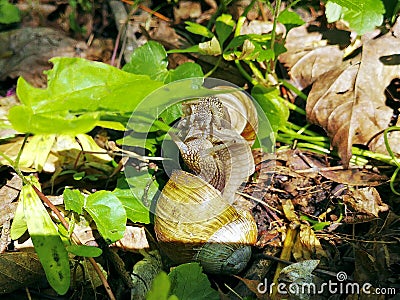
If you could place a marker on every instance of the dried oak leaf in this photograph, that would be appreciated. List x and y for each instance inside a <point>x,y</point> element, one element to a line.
<point>349,101</point>
<point>308,56</point>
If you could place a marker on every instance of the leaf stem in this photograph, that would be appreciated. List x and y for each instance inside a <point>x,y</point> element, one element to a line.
<point>273,33</point>
<point>209,73</point>
<point>295,90</point>
<point>245,74</point>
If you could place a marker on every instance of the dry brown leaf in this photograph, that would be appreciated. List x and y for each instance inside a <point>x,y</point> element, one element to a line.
<point>187,10</point>
<point>355,177</point>
<point>29,49</point>
<point>18,270</point>
<point>134,239</point>
<point>349,102</point>
<point>308,56</point>
<point>256,286</point>
<point>8,193</point>
<point>364,202</point>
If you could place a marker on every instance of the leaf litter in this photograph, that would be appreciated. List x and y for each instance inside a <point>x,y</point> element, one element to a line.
<point>308,191</point>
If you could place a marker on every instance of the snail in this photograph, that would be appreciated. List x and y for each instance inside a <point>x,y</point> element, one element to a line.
<point>195,216</point>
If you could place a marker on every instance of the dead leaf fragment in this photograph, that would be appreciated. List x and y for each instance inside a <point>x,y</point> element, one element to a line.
<point>365,203</point>
<point>349,102</point>
<point>134,239</point>
<point>187,10</point>
<point>18,270</point>
<point>29,50</point>
<point>8,193</point>
<point>308,56</point>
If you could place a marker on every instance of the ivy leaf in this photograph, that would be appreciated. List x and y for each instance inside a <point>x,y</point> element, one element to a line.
<point>108,214</point>
<point>8,13</point>
<point>362,16</point>
<point>198,29</point>
<point>224,26</point>
<point>189,282</point>
<point>333,12</point>
<point>149,59</point>
<point>79,92</point>
<point>18,226</point>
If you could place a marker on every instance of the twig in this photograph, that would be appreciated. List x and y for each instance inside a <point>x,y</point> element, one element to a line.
<point>150,11</point>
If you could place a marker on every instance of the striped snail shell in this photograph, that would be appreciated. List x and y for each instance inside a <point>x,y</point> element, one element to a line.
<point>194,223</point>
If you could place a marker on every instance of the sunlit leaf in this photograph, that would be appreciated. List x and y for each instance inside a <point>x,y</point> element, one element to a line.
<point>108,214</point>
<point>84,251</point>
<point>47,242</point>
<point>189,282</point>
<point>363,16</point>
<point>73,200</point>
<point>198,29</point>
<point>224,26</point>
<point>79,92</point>
<point>149,59</point>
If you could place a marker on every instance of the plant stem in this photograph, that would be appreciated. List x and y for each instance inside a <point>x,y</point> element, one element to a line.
<point>295,90</point>
<point>273,33</point>
<point>209,73</point>
<point>245,74</point>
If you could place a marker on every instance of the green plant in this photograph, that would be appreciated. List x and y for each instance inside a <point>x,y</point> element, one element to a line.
<point>54,239</point>
<point>8,13</point>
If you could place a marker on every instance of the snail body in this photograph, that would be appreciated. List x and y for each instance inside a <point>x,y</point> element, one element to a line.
<point>195,218</point>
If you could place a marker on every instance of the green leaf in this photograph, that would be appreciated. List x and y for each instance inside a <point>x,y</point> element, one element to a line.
<point>333,12</point>
<point>212,47</point>
<point>47,242</point>
<point>149,59</point>
<point>194,49</point>
<point>79,175</point>
<point>273,106</point>
<point>133,196</point>
<point>24,119</point>
<point>8,13</point>
<point>290,19</point>
<point>189,282</point>
<point>78,93</point>
<point>18,226</point>
<point>198,29</point>
<point>160,288</point>
<point>73,200</point>
<point>37,150</point>
<point>185,70</point>
<point>224,26</point>
<point>84,251</point>
<point>362,16</point>
<point>108,214</point>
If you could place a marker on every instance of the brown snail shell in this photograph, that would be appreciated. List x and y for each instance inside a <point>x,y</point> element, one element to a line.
<point>194,223</point>
<point>242,113</point>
